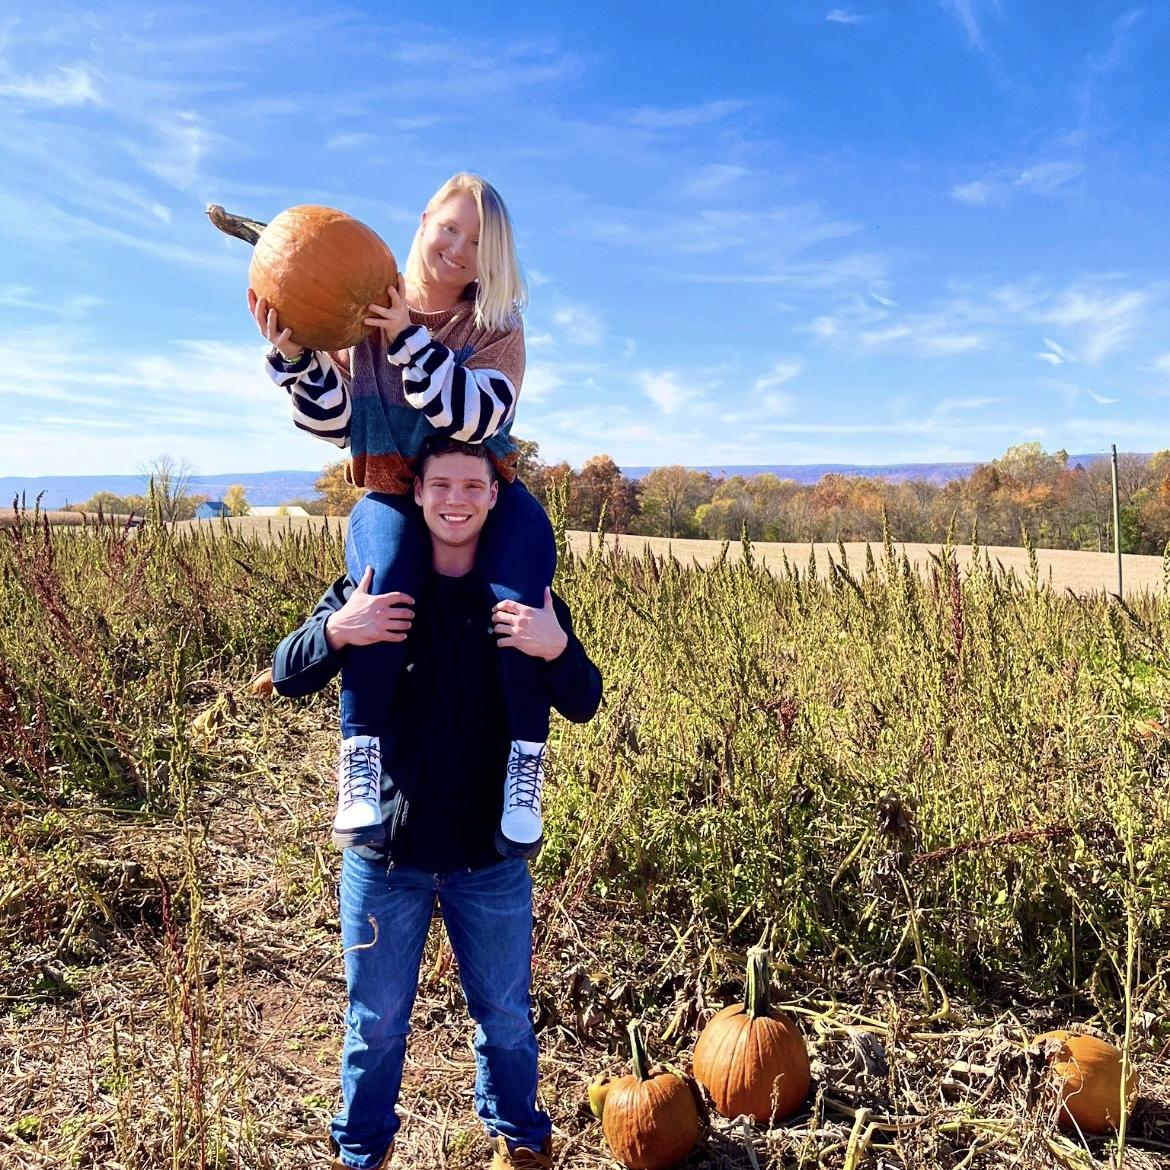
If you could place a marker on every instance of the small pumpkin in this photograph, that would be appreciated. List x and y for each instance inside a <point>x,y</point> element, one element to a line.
<point>751,1058</point>
<point>598,1091</point>
<point>1087,1074</point>
<point>261,683</point>
<point>319,268</point>
<point>653,1118</point>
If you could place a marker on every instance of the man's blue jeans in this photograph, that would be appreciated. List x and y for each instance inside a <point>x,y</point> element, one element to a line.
<point>517,556</point>
<point>488,915</point>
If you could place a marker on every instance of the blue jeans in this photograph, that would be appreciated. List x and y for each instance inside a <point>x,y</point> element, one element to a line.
<point>488,915</point>
<point>517,556</point>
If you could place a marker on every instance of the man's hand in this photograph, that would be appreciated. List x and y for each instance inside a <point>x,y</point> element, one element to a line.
<point>368,617</point>
<point>535,632</point>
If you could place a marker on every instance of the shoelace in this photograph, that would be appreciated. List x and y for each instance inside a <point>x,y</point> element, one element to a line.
<point>524,781</point>
<point>360,780</point>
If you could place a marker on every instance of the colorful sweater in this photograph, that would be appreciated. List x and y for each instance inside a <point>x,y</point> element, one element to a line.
<point>441,376</point>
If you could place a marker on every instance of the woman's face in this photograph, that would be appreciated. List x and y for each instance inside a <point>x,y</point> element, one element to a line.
<point>450,238</point>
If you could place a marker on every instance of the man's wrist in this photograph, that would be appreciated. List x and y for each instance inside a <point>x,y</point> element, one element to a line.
<point>332,639</point>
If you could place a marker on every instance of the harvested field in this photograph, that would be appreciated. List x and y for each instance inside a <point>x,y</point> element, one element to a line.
<point>942,801</point>
<point>1080,572</point>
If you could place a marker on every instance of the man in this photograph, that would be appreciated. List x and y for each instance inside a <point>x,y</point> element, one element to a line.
<point>443,756</point>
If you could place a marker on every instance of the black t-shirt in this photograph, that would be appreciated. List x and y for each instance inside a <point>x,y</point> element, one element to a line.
<point>446,750</point>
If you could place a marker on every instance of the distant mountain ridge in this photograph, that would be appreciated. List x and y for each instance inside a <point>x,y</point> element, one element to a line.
<point>280,487</point>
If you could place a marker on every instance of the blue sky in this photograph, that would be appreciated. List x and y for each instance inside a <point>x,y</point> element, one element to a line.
<point>786,233</point>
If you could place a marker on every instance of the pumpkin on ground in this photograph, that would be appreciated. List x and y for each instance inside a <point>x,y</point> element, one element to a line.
<point>653,1118</point>
<point>598,1091</point>
<point>751,1058</point>
<point>319,268</point>
<point>1087,1072</point>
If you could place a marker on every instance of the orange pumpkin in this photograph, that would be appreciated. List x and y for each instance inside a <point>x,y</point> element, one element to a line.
<point>751,1058</point>
<point>1087,1074</point>
<point>320,269</point>
<point>651,1119</point>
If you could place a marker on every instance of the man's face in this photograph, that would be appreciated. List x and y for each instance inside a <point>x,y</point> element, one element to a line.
<point>456,493</point>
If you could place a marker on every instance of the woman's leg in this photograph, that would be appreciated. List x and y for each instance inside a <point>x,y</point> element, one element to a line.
<point>518,556</point>
<point>385,533</point>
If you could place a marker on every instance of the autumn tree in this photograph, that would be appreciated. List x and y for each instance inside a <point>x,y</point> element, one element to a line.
<point>235,500</point>
<point>339,494</point>
<point>601,492</point>
<point>669,497</point>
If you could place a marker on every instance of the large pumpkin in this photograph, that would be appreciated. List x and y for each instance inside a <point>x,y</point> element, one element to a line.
<point>651,1119</point>
<point>1087,1072</point>
<point>751,1058</point>
<point>319,268</point>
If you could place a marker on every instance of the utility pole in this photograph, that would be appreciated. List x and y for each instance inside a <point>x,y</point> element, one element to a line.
<point>1116,521</point>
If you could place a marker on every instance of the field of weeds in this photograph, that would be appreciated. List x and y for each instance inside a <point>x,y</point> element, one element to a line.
<point>940,798</point>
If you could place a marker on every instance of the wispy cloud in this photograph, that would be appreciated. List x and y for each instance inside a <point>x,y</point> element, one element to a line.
<point>1104,319</point>
<point>1044,178</point>
<point>579,325</point>
<point>669,390</point>
<point>713,179</point>
<point>844,16</point>
<point>969,14</point>
<point>975,194</point>
<point>682,117</point>
<point>67,85</point>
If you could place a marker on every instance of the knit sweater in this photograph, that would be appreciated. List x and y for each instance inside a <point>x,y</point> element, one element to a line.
<point>442,376</point>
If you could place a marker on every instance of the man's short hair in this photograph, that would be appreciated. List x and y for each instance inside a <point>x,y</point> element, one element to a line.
<point>442,445</point>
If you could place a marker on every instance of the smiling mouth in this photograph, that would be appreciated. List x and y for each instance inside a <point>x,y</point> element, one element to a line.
<point>450,263</point>
<point>449,518</point>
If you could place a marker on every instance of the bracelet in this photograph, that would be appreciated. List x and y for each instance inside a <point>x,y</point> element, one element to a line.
<point>288,363</point>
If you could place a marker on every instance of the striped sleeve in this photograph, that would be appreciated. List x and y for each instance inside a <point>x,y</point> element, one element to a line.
<point>318,392</point>
<point>462,402</point>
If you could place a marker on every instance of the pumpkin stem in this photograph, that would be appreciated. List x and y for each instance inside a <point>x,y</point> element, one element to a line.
<point>755,998</point>
<point>638,1051</point>
<point>244,229</point>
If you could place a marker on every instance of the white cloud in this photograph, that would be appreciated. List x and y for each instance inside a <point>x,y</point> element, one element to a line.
<point>1162,363</point>
<point>1044,178</point>
<point>681,117</point>
<point>68,85</point>
<point>1051,358</point>
<point>579,325</point>
<point>668,389</point>
<point>976,194</point>
<point>1104,319</point>
<point>712,179</point>
<point>540,380</point>
<point>781,372</point>
<point>844,16</point>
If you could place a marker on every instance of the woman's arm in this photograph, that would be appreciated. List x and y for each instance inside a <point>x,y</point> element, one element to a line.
<point>318,391</point>
<point>472,401</point>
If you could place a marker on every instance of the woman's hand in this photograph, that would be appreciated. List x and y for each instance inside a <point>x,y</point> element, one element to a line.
<point>269,324</point>
<point>394,319</point>
<point>535,632</point>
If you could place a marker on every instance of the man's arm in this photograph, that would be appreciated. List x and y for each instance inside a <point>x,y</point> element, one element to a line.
<point>572,681</point>
<point>346,615</point>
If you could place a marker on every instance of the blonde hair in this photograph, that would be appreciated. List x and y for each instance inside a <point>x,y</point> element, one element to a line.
<point>502,292</point>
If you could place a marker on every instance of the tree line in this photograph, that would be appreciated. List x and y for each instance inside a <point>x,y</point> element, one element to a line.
<point>1025,491</point>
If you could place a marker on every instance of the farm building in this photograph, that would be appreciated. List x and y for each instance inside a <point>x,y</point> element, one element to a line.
<point>211,510</point>
<point>278,510</point>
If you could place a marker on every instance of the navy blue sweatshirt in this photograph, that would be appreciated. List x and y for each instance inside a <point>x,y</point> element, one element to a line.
<point>446,747</point>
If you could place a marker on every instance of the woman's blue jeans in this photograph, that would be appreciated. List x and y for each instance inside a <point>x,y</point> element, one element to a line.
<point>516,556</point>
<point>488,916</point>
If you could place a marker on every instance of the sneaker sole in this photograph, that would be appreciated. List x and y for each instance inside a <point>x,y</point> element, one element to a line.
<point>518,850</point>
<point>372,836</point>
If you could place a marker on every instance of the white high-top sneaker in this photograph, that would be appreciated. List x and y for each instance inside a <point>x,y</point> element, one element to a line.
<point>359,793</point>
<point>521,831</point>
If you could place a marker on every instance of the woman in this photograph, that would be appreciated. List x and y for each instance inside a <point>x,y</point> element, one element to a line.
<point>446,356</point>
